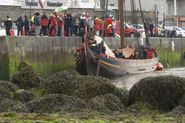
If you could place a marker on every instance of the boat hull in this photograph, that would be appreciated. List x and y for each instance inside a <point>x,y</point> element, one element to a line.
<point>114,67</point>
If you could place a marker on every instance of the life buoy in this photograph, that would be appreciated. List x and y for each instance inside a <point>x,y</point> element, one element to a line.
<point>12,33</point>
<point>159,66</point>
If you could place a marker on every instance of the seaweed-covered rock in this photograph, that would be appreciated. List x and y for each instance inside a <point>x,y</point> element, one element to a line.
<point>179,110</point>
<point>56,103</point>
<point>140,107</point>
<point>106,103</point>
<point>84,87</point>
<point>7,105</point>
<point>163,92</point>
<point>5,93</point>
<point>60,80</point>
<point>24,65</point>
<point>7,89</point>
<point>24,96</point>
<point>27,78</point>
<point>8,86</point>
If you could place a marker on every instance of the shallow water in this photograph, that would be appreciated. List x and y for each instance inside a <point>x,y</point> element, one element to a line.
<point>127,81</point>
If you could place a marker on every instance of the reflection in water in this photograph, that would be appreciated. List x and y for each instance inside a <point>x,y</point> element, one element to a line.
<point>127,81</point>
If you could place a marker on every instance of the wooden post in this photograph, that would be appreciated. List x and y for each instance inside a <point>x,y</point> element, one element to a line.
<point>121,14</point>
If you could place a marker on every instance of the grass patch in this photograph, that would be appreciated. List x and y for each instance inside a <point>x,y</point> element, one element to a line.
<point>123,118</point>
<point>170,58</point>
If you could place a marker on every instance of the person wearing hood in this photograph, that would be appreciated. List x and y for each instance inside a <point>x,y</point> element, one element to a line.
<point>20,25</point>
<point>26,25</point>
<point>8,25</point>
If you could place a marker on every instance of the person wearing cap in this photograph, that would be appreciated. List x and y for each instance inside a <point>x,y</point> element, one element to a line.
<point>8,25</point>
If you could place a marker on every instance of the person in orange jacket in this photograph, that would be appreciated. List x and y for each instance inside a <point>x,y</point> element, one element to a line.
<point>97,25</point>
<point>44,24</point>
<point>108,26</point>
<point>53,24</point>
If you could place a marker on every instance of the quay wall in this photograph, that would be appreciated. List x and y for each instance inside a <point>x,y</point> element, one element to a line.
<point>48,55</point>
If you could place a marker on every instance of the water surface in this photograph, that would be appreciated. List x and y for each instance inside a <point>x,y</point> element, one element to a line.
<point>127,81</point>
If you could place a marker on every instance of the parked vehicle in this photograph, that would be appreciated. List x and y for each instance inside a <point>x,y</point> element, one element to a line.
<point>129,31</point>
<point>182,28</point>
<point>140,28</point>
<point>179,31</point>
<point>168,31</point>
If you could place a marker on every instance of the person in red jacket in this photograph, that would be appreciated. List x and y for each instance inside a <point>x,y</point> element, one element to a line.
<point>108,26</point>
<point>59,25</point>
<point>97,25</point>
<point>44,24</point>
<point>53,24</point>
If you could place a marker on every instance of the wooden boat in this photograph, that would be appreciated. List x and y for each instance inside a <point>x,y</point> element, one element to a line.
<point>106,64</point>
<point>88,61</point>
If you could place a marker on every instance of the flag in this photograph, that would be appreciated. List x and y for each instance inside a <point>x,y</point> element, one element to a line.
<point>61,8</point>
<point>41,2</point>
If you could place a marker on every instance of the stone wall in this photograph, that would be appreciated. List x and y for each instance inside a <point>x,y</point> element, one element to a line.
<point>47,55</point>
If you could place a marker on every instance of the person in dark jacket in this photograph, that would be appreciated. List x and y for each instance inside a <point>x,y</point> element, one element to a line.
<point>68,24</point>
<point>76,21</point>
<point>19,24</point>
<point>37,24</point>
<point>26,25</point>
<point>151,28</point>
<point>146,26</point>
<point>8,25</point>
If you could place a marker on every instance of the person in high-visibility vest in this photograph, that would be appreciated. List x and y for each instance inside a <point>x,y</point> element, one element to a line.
<point>32,19</point>
<point>32,23</point>
<point>108,26</point>
<point>97,25</point>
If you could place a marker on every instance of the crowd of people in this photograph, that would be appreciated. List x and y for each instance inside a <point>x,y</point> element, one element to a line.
<point>59,24</point>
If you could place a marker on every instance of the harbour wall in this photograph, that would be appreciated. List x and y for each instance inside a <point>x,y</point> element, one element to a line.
<point>48,55</point>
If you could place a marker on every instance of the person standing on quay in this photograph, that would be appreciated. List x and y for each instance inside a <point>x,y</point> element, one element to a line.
<point>97,26</point>
<point>37,24</point>
<point>8,25</point>
<point>53,24</point>
<point>20,25</point>
<point>26,25</point>
<point>44,24</point>
<point>59,25</point>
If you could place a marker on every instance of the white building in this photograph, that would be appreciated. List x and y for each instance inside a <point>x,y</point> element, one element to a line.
<point>52,4</point>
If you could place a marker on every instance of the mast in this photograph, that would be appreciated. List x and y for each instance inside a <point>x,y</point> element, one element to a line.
<point>121,14</point>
